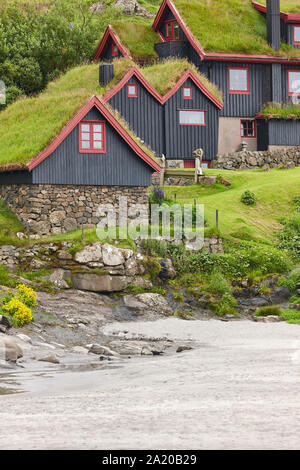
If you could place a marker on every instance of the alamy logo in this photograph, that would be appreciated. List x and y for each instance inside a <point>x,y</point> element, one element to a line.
<point>167,222</point>
<point>2,93</point>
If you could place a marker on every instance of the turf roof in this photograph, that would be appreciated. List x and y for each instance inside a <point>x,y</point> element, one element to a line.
<point>229,26</point>
<point>286,6</point>
<point>30,124</point>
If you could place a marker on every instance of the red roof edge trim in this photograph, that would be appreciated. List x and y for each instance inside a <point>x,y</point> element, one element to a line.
<point>187,32</point>
<point>141,78</point>
<point>162,99</point>
<point>109,32</point>
<point>94,101</point>
<point>190,74</point>
<point>287,17</point>
<point>263,59</point>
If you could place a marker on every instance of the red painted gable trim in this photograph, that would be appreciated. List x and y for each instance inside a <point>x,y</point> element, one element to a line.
<point>185,29</point>
<point>94,101</point>
<point>162,99</point>
<point>287,17</point>
<point>219,56</point>
<point>109,32</point>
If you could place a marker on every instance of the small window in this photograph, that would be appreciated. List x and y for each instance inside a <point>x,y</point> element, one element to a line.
<point>187,92</point>
<point>115,50</point>
<point>172,31</point>
<point>132,90</point>
<point>239,81</point>
<point>297,35</point>
<point>92,137</point>
<point>294,82</point>
<point>191,118</point>
<point>248,128</point>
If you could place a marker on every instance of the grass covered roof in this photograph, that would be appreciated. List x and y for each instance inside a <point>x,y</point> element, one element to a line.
<point>231,26</point>
<point>30,124</point>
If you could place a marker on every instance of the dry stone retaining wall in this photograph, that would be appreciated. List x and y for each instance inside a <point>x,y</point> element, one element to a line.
<point>56,209</point>
<point>287,157</point>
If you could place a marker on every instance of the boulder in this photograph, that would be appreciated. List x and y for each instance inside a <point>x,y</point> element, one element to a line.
<point>90,254</point>
<point>57,277</point>
<point>99,283</point>
<point>280,295</point>
<point>9,349</point>
<point>5,323</point>
<point>132,7</point>
<point>183,348</point>
<point>149,303</point>
<point>50,358</point>
<point>167,270</point>
<point>268,319</point>
<point>135,348</point>
<point>112,256</point>
<point>102,350</point>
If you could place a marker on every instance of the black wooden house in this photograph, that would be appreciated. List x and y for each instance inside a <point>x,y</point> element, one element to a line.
<point>247,81</point>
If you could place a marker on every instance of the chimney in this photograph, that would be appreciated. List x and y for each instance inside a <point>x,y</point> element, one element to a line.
<point>106,73</point>
<point>273,23</point>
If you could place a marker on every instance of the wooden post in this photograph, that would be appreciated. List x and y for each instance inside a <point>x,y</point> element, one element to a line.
<point>217,218</point>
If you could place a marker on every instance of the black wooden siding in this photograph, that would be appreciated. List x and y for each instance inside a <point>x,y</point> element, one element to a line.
<point>236,105</point>
<point>277,132</point>
<point>118,166</point>
<point>107,51</point>
<point>181,141</point>
<point>168,16</point>
<point>16,177</point>
<point>144,114</point>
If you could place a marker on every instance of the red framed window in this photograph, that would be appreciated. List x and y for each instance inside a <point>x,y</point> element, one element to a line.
<point>296,35</point>
<point>92,138</point>
<point>132,90</point>
<point>187,92</point>
<point>114,50</point>
<point>238,80</point>
<point>172,30</point>
<point>191,164</point>
<point>294,82</point>
<point>248,128</point>
<point>192,117</point>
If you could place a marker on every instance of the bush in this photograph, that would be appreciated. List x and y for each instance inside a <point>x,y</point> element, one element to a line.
<point>26,295</point>
<point>19,313</point>
<point>248,198</point>
<point>268,310</point>
<point>289,236</point>
<point>157,196</point>
<point>291,281</point>
<point>226,305</point>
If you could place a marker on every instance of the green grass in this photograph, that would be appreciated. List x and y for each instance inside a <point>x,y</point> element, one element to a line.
<point>229,26</point>
<point>281,110</point>
<point>287,6</point>
<point>9,224</point>
<point>257,222</point>
<point>138,37</point>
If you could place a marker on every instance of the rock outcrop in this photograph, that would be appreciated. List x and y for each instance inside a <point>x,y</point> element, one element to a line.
<point>132,7</point>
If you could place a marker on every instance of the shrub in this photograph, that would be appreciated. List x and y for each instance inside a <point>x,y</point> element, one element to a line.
<point>248,198</point>
<point>26,295</point>
<point>289,236</point>
<point>226,305</point>
<point>157,195</point>
<point>20,314</point>
<point>291,281</point>
<point>268,310</point>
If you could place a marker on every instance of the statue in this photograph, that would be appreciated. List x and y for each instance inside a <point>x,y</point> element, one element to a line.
<point>198,154</point>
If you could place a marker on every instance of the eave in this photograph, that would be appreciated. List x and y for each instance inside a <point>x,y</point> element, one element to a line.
<point>109,32</point>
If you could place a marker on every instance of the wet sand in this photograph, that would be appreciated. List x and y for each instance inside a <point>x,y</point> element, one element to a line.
<point>238,389</point>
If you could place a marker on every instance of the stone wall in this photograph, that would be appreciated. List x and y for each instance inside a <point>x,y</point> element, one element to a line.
<point>55,209</point>
<point>287,157</point>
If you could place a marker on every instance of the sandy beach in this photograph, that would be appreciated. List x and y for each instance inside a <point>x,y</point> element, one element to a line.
<point>237,389</point>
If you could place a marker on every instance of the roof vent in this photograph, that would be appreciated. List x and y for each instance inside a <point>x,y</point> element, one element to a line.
<point>273,23</point>
<point>106,73</point>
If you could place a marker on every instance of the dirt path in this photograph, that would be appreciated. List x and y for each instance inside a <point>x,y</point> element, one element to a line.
<point>239,389</point>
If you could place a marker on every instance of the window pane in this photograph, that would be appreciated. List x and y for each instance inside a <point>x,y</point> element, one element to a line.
<point>85,144</point>
<point>294,82</point>
<point>85,136</point>
<point>85,128</point>
<point>97,127</point>
<point>192,117</point>
<point>132,90</point>
<point>238,80</point>
<point>98,145</point>
<point>98,136</point>
<point>297,34</point>
<point>176,31</point>
<point>187,92</point>
<point>169,30</point>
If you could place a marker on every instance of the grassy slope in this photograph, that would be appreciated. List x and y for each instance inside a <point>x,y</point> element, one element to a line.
<point>274,191</point>
<point>28,125</point>
<point>229,26</point>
